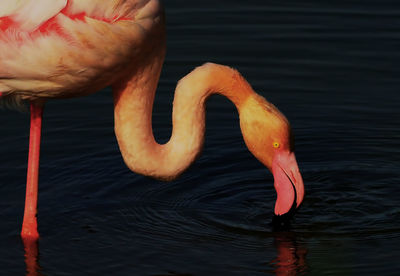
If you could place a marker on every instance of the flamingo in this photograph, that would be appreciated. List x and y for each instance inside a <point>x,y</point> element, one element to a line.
<point>68,48</point>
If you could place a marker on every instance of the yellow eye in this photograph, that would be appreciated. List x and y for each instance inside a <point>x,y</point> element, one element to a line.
<point>276,145</point>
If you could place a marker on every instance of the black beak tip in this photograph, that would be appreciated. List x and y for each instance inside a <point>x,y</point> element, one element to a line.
<point>282,222</point>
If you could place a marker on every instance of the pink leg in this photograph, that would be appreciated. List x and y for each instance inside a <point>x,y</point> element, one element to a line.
<point>29,225</point>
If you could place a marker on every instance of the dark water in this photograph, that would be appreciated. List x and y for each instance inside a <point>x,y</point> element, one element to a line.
<point>332,68</point>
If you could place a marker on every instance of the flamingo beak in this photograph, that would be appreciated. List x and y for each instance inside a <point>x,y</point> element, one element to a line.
<point>288,182</point>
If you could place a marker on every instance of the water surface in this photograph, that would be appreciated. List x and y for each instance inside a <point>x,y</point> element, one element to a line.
<point>332,68</point>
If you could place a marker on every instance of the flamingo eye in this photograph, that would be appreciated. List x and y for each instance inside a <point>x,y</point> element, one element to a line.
<point>276,145</point>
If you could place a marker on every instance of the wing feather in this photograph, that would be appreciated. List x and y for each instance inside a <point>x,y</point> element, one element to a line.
<point>28,15</point>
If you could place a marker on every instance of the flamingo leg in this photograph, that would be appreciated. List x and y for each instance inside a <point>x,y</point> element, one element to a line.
<point>29,225</point>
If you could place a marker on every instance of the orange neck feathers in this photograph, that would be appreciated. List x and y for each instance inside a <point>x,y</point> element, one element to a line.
<point>133,123</point>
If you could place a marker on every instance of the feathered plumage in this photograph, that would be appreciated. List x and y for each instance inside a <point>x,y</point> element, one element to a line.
<point>45,56</point>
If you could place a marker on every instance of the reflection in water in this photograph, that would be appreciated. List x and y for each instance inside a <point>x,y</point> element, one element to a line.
<point>291,255</point>
<point>31,248</point>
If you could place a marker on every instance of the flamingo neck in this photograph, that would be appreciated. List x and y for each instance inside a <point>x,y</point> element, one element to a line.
<point>133,112</point>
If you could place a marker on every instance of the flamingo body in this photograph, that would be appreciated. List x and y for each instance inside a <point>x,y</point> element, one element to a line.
<point>58,49</point>
<point>65,34</point>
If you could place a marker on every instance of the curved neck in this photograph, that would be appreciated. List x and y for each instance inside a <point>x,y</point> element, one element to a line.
<point>133,112</point>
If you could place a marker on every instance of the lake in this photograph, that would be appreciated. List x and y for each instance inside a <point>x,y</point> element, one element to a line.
<point>331,67</point>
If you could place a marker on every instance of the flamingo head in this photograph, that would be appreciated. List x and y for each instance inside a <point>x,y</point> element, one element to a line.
<point>268,136</point>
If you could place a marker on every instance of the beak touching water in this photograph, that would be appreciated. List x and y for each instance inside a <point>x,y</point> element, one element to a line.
<point>288,182</point>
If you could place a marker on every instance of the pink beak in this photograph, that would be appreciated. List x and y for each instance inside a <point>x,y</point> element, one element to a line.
<point>288,183</point>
